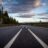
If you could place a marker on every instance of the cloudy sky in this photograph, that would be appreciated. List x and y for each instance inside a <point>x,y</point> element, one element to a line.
<point>27,10</point>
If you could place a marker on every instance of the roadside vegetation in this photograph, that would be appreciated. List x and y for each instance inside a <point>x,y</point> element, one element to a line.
<point>42,24</point>
<point>6,20</point>
<point>39,24</point>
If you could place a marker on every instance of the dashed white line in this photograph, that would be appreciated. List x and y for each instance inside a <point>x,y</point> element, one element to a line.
<point>44,45</point>
<point>8,45</point>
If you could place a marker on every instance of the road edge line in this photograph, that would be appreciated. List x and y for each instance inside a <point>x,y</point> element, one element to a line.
<point>38,39</point>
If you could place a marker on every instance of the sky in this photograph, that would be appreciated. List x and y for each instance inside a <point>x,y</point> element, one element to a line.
<point>27,10</point>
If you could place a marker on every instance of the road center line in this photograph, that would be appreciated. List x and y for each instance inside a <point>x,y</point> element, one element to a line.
<point>8,45</point>
<point>44,45</point>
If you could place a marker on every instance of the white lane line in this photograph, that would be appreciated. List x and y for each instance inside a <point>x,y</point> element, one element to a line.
<point>44,45</point>
<point>8,45</point>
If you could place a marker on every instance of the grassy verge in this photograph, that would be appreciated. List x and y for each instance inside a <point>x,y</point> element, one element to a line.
<point>41,24</point>
<point>5,25</point>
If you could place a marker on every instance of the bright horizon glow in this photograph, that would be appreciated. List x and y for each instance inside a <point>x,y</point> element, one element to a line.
<point>32,19</point>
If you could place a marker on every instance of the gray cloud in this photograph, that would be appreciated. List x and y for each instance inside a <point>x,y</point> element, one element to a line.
<point>14,6</point>
<point>43,18</point>
<point>0,1</point>
<point>25,16</point>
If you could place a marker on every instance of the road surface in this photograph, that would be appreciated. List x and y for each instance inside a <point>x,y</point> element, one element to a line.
<point>23,36</point>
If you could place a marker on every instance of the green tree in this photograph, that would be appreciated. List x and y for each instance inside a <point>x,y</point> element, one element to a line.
<point>8,20</point>
<point>5,18</point>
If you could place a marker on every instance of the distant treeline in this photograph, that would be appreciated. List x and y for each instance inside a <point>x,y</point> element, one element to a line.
<point>40,24</point>
<point>5,19</point>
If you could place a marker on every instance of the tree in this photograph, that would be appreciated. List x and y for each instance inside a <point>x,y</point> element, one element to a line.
<point>5,18</point>
<point>0,14</point>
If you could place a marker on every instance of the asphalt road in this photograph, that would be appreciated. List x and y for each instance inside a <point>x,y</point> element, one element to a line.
<point>23,36</point>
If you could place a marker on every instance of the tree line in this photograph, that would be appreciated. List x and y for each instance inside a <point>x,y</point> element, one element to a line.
<point>6,19</point>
